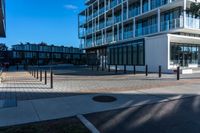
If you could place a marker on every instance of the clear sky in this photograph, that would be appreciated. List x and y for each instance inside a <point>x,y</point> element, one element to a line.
<point>50,21</point>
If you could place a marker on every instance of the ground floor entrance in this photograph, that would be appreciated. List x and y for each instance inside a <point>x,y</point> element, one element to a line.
<point>185,55</point>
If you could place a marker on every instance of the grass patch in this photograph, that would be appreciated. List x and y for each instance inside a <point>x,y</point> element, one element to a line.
<point>66,125</point>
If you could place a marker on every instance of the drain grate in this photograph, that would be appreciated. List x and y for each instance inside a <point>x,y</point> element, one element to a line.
<point>104,99</point>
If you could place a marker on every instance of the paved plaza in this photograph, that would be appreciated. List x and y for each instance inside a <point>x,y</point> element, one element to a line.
<point>76,81</point>
<point>25,99</point>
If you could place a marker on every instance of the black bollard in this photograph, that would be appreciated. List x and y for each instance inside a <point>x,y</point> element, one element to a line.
<point>178,73</point>
<point>134,69</point>
<point>108,68</point>
<point>37,74</point>
<point>92,67</point>
<point>51,73</point>
<point>40,75</point>
<point>160,72</point>
<point>45,77</point>
<point>115,68</point>
<point>124,68</point>
<point>146,70</point>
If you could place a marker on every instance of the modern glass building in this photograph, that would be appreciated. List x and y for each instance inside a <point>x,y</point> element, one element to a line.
<point>141,32</point>
<point>2,19</point>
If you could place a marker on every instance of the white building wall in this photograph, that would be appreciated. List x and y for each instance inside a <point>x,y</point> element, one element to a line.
<point>157,52</point>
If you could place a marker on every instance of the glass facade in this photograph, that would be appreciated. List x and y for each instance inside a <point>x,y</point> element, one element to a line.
<point>184,54</point>
<point>130,53</point>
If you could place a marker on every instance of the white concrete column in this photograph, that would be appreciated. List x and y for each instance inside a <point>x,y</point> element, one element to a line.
<point>102,37</point>
<point>113,15</point>
<point>113,33</point>
<point>134,26</point>
<point>122,30</point>
<point>140,6</point>
<point>118,32</point>
<point>122,12</point>
<point>149,5</point>
<point>158,21</point>
<point>98,14</point>
<point>127,14</point>
<point>184,14</point>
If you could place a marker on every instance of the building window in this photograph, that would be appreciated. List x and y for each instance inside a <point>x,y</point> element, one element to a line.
<point>184,54</point>
<point>130,53</point>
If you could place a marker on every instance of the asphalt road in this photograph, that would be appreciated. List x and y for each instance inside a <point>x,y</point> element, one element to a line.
<point>178,116</point>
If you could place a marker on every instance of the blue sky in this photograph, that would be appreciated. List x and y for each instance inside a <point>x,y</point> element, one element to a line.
<point>50,21</point>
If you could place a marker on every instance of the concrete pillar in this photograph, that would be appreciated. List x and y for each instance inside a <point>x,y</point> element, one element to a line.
<point>184,14</point>
<point>140,6</point>
<point>134,26</point>
<point>158,12</point>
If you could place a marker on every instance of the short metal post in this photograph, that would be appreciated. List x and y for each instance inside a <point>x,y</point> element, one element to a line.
<point>40,75</point>
<point>115,68</point>
<point>92,67</point>
<point>134,69</point>
<point>51,79</point>
<point>45,77</point>
<point>97,67</point>
<point>108,68</point>
<point>37,74</point>
<point>146,70</point>
<point>160,71</point>
<point>124,68</point>
<point>178,73</point>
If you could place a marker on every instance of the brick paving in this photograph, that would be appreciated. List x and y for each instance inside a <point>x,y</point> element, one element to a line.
<point>22,86</point>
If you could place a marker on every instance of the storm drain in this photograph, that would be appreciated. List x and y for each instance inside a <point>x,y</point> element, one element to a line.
<point>7,103</point>
<point>104,99</point>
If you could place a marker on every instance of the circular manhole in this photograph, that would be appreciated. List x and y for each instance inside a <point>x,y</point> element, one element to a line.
<point>104,99</point>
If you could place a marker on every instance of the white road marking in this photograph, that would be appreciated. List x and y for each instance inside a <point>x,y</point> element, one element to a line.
<point>88,124</point>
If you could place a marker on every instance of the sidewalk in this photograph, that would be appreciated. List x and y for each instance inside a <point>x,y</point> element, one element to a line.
<point>53,108</point>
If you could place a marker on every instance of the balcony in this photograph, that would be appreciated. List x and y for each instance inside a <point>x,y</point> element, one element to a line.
<point>109,21</point>
<point>101,25</point>
<point>192,22</point>
<point>128,34</point>
<point>99,41</point>
<point>171,24</point>
<point>113,3</point>
<point>109,38</point>
<point>117,19</point>
<point>147,30</point>
<point>101,10</point>
<point>89,31</point>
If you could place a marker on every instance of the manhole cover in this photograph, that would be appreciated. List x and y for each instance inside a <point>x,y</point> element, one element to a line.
<point>104,99</point>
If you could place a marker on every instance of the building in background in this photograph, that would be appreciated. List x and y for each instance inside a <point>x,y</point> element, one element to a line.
<point>140,32</point>
<point>43,54</point>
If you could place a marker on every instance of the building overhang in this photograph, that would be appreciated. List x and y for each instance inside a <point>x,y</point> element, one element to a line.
<point>184,39</point>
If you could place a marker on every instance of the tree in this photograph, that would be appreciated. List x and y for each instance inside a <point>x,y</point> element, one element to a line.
<point>194,9</point>
<point>3,47</point>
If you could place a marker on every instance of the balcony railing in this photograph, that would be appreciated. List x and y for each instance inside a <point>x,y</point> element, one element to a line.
<point>128,34</point>
<point>192,22</point>
<point>109,21</point>
<point>146,30</point>
<point>171,24</point>
<point>117,19</point>
<point>113,3</point>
